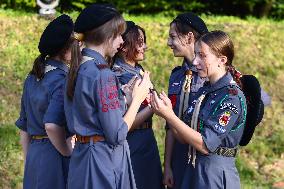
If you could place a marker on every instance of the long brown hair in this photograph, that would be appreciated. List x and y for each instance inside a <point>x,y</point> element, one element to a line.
<point>96,36</point>
<point>221,44</point>
<point>39,63</point>
<point>131,40</point>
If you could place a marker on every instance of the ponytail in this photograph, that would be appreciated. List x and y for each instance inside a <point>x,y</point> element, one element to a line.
<point>76,58</point>
<point>236,75</point>
<point>38,67</point>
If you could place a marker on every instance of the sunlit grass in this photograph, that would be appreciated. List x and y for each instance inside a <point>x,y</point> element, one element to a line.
<point>259,46</point>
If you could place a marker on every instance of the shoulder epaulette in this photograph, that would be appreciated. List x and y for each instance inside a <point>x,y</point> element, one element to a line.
<point>117,68</point>
<point>103,66</point>
<point>232,90</point>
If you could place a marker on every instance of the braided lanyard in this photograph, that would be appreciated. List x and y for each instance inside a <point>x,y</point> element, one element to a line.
<point>184,96</point>
<point>194,126</point>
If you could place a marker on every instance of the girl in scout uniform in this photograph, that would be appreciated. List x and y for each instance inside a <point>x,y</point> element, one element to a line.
<point>184,82</point>
<point>95,107</point>
<point>218,118</point>
<point>143,147</point>
<point>42,120</point>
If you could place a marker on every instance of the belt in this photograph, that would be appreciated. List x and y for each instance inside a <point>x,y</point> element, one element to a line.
<point>145,125</point>
<point>87,139</point>
<point>39,137</point>
<point>227,152</point>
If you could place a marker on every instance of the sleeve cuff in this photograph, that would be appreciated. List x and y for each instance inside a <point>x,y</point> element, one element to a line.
<point>21,124</point>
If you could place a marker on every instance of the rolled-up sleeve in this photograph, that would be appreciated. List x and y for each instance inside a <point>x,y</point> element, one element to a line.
<point>221,122</point>
<point>55,111</point>
<point>21,122</point>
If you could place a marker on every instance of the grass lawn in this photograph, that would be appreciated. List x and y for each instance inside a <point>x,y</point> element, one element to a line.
<point>259,46</point>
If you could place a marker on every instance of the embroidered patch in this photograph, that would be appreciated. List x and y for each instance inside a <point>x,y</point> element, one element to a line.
<point>220,129</point>
<point>229,106</point>
<point>225,118</point>
<point>109,96</point>
<point>190,109</point>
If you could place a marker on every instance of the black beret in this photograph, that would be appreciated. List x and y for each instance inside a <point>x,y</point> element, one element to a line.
<point>94,16</point>
<point>55,35</point>
<point>255,107</point>
<point>129,26</point>
<point>194,21</point>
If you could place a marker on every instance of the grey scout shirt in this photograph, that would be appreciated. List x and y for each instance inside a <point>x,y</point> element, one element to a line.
<point>176,80</point>
<point>42,100</point>
<point>98,106</point>
<point>222,114</point>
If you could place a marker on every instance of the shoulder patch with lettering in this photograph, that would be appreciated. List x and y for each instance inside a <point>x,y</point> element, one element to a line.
<point>229,106</point>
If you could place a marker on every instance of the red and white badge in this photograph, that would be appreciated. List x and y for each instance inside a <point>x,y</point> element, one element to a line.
<point>225,118</point>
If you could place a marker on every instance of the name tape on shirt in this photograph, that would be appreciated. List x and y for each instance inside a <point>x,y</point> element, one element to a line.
<point>219,128</point>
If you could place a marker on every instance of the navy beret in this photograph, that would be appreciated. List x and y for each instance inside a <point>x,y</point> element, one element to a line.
<point>94,16</point>
<point>55,35</point>
<point>129,26</point>
<point>255,107</point>
<point>194,21</point>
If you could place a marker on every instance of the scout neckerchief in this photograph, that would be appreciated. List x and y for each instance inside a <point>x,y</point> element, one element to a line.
<point>85,59</point>
<point>89,54</point>
<point>184,96</point>
<point>128,68</point>
<point>194,125</point>
<point>52,64</point>
<point>184,100</point>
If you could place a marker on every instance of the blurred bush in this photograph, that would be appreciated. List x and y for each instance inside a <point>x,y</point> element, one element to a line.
<point>241,8</point>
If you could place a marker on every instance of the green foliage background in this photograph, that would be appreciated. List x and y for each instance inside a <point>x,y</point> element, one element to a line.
<point>259,48</point>
<point>242,8</point>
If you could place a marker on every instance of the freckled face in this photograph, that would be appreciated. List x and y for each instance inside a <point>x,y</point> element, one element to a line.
<point>205,61</point>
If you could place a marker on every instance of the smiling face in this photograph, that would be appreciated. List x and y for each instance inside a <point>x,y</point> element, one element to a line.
<point>177,42</point>
<point>134,47</point>
<point>140,47</point>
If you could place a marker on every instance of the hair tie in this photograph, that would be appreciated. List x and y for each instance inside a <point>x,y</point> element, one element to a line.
<point>238,74</point>
<point>78,36</point>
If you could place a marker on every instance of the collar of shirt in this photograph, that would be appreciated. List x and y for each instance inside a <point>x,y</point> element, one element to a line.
<point>94,54</point>
<point>188,66</point>
<point>57,64</point>
<point>126,67</point>
<point>224,81</point>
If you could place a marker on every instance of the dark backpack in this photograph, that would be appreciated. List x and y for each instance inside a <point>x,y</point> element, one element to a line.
<point>255,107</point>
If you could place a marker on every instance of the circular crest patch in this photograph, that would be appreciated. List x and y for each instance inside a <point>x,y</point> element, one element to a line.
<point>225,118</point>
